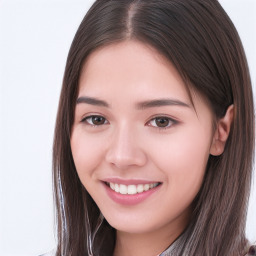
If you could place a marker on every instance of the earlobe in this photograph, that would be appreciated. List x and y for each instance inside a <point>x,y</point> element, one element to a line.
<point>222,132</point>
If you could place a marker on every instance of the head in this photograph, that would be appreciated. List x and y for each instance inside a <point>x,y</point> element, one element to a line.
<point>194,45</point>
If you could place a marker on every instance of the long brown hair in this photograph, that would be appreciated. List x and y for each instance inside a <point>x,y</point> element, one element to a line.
<point>200,40</point>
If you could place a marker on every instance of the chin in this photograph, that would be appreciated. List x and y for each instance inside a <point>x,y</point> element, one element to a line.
<point>133,223</point>
<point>131,228</point>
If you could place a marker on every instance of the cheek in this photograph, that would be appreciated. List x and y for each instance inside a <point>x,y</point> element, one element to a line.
<point>87,153</point>
<point>182,158</point>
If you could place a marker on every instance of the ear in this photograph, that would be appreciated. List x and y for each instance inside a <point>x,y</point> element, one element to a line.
<point>222,132</point>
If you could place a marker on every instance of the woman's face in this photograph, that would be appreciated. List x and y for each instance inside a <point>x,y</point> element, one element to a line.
<point>139,146</point>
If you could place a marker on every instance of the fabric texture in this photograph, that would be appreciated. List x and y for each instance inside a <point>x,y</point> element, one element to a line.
<point>52,253</point>
<point>169,252</point>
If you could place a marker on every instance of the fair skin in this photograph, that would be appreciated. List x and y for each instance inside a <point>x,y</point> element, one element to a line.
<point>142,129</point>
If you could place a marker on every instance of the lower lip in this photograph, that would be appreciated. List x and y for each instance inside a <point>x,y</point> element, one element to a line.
<point>130,199</point>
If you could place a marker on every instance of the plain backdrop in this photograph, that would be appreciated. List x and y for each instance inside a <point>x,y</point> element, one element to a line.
<point>35,36</point>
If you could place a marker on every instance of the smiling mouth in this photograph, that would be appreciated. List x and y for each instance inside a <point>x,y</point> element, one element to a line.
<point>131,189</point>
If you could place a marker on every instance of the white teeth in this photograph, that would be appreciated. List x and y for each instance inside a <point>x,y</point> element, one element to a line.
<point>146,187</point>
<point>131,189</point>
<point>123,189</point>
<point>117,188</point>
<point>140,188</point>
<point>112,185</point>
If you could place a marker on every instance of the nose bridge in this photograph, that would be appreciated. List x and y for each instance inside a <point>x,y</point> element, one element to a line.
<point>124,148</point>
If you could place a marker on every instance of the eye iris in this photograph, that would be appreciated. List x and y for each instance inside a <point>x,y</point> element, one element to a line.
<point>98,120</point>
<point>162,122</point>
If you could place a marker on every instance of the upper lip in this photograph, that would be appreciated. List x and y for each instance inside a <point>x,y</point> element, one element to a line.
<point>129,181</point>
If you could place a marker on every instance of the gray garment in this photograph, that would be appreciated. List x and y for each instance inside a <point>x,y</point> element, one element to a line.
<point>51,253</point>
<point>172,250</point>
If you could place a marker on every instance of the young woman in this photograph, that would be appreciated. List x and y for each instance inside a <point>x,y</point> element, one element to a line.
<point>154,136</point>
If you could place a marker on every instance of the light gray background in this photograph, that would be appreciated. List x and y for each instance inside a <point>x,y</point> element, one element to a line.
<point>35,36</point>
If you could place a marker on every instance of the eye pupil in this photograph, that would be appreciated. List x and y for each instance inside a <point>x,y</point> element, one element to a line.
<point>162,122</point>
<point>98,120</point>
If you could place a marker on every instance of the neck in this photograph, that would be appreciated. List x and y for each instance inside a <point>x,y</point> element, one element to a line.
<point>148,243</point>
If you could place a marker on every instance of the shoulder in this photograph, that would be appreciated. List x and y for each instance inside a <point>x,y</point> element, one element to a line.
<point>251,251</point>
<point>51,253</point>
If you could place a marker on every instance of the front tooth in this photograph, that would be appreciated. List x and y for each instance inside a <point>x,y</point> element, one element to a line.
<point>123,189</point>
<point>146,187</point>
<point>140,188</point>
<point>132,189</point>
<point>117,189</point>
<point>112,186</point>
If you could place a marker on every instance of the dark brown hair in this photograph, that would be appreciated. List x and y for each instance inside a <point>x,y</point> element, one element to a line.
<point>200,40</point>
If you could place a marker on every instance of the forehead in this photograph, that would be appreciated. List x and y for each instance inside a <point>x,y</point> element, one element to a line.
<point>131,66</point>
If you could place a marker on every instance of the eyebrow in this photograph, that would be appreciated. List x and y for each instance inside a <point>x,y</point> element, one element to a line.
<point>139,105</point>
<point>92,101</point>
<point>160,103</point>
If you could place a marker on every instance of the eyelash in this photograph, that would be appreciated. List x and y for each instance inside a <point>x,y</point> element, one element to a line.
<point>171,121</point>
<point>85,120</point>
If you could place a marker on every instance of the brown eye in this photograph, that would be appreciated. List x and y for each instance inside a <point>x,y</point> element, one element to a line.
<point>162,122</point>
<point>95,120</point>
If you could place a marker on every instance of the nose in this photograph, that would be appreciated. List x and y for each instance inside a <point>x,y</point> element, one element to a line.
<point>124,150</point>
